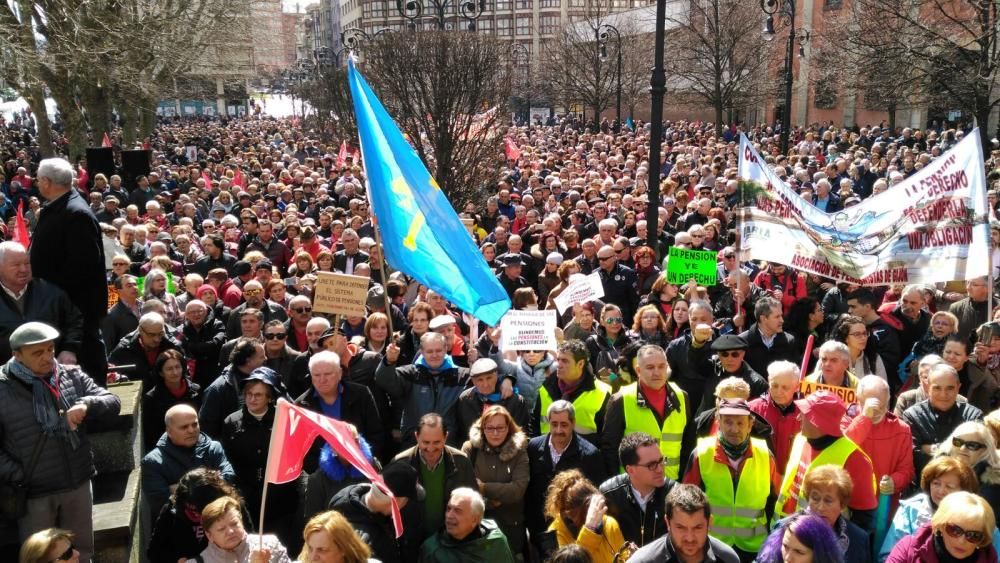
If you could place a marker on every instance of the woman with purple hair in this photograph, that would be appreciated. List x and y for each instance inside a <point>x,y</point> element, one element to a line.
<point>803,538</point>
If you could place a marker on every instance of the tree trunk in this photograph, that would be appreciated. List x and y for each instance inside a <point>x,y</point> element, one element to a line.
<point>95,100</point>
<point>718,118</point>
<point>43,127</point>
<point>147,116</point>
<point>73,122</point>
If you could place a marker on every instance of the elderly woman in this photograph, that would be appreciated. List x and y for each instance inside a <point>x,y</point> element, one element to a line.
<point>646,270</point>
<point>941,477</point>
<point>155,287</point>
<point>579,515</point>
<point>942,325</point>
<point>498,450</point>
<point>329,538</point>
<point>583,325</point>
<point>648,327</point>
<point>376,332</point>
<point>972,444</point>
<point>960,530</point>
<point>172,386</point>
<point>228,541</point>
<point>49,546</point>
<point>803,538</point>
<point>827,489</point>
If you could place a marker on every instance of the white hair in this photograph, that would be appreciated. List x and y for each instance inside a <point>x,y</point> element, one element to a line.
<point>10,246</point>
<point>781,368</point>
<point>475,500</point>
<point>875,384</point>
<point>58,170</point>
<point>836,348</point>
<point>324,357</point>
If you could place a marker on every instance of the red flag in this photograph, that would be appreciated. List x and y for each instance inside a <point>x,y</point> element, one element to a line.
<point>357,157</point>
<point>205,175</point>
<point>106,142</point>
<point>342,155</point>
<point>238,178</point>
<point>511,149</point>
<point>293,434</point>
<point>20,227</point>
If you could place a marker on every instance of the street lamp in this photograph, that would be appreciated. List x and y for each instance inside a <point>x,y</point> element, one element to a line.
<point>519,52</point>
<point>657,87</point>
<point>604,33</point>
<point>413,11</point>
<point>784,9</point>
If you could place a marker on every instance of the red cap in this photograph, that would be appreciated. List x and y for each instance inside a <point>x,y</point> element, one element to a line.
<point>824,411</point>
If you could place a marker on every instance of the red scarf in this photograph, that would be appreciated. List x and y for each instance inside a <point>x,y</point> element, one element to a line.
<point>656,399</point>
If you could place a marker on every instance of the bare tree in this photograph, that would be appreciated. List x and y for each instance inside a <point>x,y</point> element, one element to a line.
<point>715,59</point>
<point>448,91</point>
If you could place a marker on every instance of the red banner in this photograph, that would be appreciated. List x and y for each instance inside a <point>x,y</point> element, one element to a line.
<point>512,151</point>
<point>342,155</point>
<point>20,227</point>
<point>293,434</point>
<point>238,178</point>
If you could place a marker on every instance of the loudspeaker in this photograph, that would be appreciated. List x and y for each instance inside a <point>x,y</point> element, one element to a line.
<point>100,160</point>
<point>134,164</point>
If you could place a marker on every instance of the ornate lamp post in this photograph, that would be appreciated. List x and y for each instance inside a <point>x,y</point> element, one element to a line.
<point>785,10</point>
<point>414,10</point>
<point>519,55</point>
<point>604,34</point>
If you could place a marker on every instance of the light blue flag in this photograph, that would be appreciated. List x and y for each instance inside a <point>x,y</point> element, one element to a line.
<point>421,233</point>
<point>629,123</point>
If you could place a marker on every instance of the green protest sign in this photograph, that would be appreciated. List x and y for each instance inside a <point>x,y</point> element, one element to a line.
<point>684,264</point>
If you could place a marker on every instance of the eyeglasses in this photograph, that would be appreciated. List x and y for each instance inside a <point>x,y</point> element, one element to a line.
<point>696,235</point>
<point>253,291</point>
<point>68,554</point>
<point>619,250</point>
<point>495,429</point>
<point>613,320</point>
<point>972,536</point>
<point>969,444</point>
<point>302,309</point>
<point>255,395</point>
<point>729,256</point>
<point>730,353</point>
<point>275,335</point>
<point>653,465</point>
<point>605,258</point>
<point>858,334</point>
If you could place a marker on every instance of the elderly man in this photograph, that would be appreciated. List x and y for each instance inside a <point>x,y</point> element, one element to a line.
<point>140,348</point>
<point>123,318</point>
<point>300,312</point>
<point>224,396</point>
<point>971,311</point>
<point>202,338</point>
<point>573,381</point>
<point>510,278</point>
<point>26,299</point>
<point>484,393</point>
<point>466,536</point>
<point>822,442</point>
<point>253,298</point>
<point>778,408</point>
<point>687,513</point>
<point>653,405</point>
<point>561,448</point>
<point>739,475</point>
<point>911,314</point>
<point>432,385</point>
<point>44,446</point>
<point>634,498</point>
<point>834,359</point>
<point>766,339</point>
<point>441,468</point>
<point>66,250</point>
<point>619,281</point>
<point>343,400</point>
<point>182,447</point>
<point>729,361</point>
<point>886,439</point>
<point>345,260</point>
<point>931,421</point>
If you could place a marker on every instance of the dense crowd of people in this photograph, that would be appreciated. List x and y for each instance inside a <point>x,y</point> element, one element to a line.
<point>669,424</point>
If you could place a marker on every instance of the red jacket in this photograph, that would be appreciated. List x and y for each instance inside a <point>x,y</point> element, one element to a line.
<point>890,447</point>
<point>919,546</point>
<point>793,286</point>
<point>784,427</point>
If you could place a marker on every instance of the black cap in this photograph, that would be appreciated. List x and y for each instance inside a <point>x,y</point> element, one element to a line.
<point>242,268</point>
<point>729,342</point>
<point>512,260</point>
<point>270,377</point>
<point>402,480</point>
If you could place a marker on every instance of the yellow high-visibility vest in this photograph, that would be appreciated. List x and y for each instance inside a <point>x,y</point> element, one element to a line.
<point>643,419</point>
<point>586,405</point>
<point>834,454</point>
<point>738,516</point>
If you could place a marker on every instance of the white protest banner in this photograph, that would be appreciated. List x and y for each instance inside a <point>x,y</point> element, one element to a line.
<point>580,291</point>
<point>528,330</point>
<point>929,228</point>
<point>340,294</point>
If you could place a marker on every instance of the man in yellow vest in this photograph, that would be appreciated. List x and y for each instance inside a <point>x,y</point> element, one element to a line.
<point>821,441</point>
<point>739,475</point>
<point>653,405</point>
<point>573,381</point>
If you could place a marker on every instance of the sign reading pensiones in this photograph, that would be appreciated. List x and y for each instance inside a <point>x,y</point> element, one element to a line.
<point>846,394</point>
<point>528,330</point>
<point>340,294</point>
<point>685,264</point>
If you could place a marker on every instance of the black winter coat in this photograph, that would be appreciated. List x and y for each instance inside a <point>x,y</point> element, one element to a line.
<point>203,346</point>
<point>43,302</point>
<point>129,352</point>
<point>357,406</point>
<point>155,404</point>
<point>580,454</point>
<point>375,529</point>
<point>638,526</point>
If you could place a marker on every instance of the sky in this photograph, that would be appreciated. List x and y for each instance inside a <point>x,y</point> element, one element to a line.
<point>289,5</point>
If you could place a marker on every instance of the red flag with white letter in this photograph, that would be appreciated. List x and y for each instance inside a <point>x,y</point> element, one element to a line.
<point>20,227</point>
<point>293,434</point>
<point>342,155</point>
<point>511,149</point>
<point>106,142</point>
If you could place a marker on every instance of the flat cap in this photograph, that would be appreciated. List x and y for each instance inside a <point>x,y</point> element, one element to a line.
<point>729,342</point>
<point>32,333</point>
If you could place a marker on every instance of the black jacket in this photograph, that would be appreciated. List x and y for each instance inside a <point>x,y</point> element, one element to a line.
<point>119,322</point>
<point>689,368</point>
<point>614,428</point>
<point>638,526</point>
<point>930,426</point>
<point>340,259</point>
<point>471,406</point>
<point>155,404</point>
<point>66,249</point>
<point>757,382</point>
<point>357,406</point>
<point>202,345</point>
<point>129,352</point>
<point>580,454</point>
<point>43,302</point>
<point>759,356</point>
<point>376,530</point>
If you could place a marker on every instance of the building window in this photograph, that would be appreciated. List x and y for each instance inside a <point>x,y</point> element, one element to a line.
<point>549,3</point>
<point>504,27</point>
<point>523,4</point>
<point>549,25</point>
<point>524,25</point>
<point>484,25</point>
<point>833,4</point>
<point>503,5</point>
<point>577,3</point>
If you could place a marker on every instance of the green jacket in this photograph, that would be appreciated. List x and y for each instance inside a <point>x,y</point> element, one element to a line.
<point>490,546</point>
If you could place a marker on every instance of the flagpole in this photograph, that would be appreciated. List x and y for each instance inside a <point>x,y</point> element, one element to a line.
<point>263,504</point>
<point>989,234</point>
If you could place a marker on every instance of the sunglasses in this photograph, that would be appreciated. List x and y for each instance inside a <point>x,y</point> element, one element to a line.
<point>68,554</point>
<point>613,320</point>
<point>605,258</point>
<point>730,353</point>
<point>969,444</point>
<point>253,291</point>
<point>276,335</point>
<point>972,536</point>
<point>302,309</point>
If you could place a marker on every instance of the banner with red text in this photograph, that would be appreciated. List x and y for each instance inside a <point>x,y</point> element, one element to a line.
<point>931,227</point>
